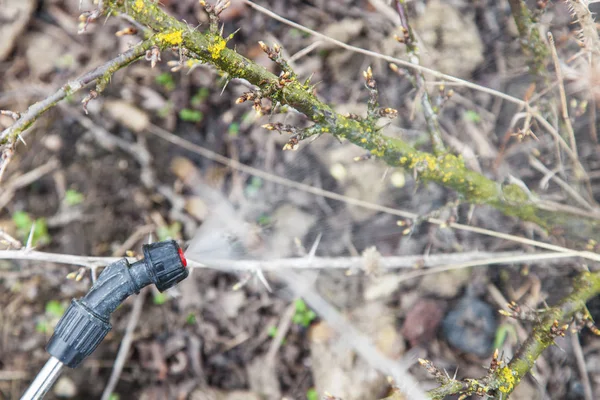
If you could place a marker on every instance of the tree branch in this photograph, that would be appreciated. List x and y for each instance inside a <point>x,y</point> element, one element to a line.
<point>503,379</point>
<point>102,74</point>
<point>448,170</point>
<point>532,43</point>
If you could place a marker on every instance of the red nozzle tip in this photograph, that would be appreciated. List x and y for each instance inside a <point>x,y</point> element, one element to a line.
<point>182,257</point>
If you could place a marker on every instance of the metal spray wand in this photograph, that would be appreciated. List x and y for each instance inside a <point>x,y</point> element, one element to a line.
<point>86,322</point>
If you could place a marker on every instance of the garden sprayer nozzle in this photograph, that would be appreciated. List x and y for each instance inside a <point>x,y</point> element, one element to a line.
<point>86,322</point>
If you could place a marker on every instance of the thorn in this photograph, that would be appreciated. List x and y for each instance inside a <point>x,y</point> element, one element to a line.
<point>263,280</point>
<point>225,86</point>
<point>313,249</point>
<point>29,245</point>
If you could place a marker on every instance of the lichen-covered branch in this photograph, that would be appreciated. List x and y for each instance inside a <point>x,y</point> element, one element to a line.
<point>446,169</point>
<point>531,42</point>
<point>585,286</point>
<point>101,75</point>
<point>502,379</point>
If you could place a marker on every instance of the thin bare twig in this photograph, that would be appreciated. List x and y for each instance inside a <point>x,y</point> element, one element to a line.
<point>282,329</point>
<point>26,179</point>
<point>433,126</point>
<point>583,374</point>
<point>538,165</point>
<point>564,109</point>
<point>134,317</point>
<point>391,59</point>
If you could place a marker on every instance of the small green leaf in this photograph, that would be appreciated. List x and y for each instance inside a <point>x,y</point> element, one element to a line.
<point>113,396</point>
<point>503,332</point>
<point>472,116</point>
<point>55,308</point>
<point>169,232</point>
<point>234,129</point>
<point>41,327</point>
<point>190,115</point>
<point>272,331</point>
<point>199,97</point>
<point>73,197</point>
<point>311,394</point>
<point>300,306</point>
<point>264,220</point>
<point>160,298</point>
<point>190,319</point>
<point>166,80</point>
<point>165,111</point>
<point>23,222</point>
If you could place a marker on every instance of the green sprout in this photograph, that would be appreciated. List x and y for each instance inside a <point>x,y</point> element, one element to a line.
<point>303,315</point>
<point>502,333</point>
<point>73,197</point>
<point>311,394</point>
<point>199,97</point>
<point>190,319</point>
<point>190,115</point>
<point>169,231</point>
<point>253,186</point>
<point>55,308</point>
<point>53,311</point>
<point>23,222</point>
<point>234,129</point>
<point>273,332</point>
<point>160,298</point>
<point>166,80</point>
<point>165,110</point>
<point>472,116</point>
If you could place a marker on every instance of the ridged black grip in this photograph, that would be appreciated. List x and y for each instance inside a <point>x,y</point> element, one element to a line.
<point>86,321</point>
<point>77,335</point>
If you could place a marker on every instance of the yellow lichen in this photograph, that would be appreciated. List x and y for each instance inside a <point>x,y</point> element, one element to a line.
<point>138,5</point>
<point>507,380</point>
<point>216,47</point>
<point>377,152</point>
<point>173,38</point>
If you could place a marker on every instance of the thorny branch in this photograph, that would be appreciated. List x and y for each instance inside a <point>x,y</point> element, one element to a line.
<point>531,41</point>
<point>440,167</point>
<point>464,260</point>
<point>503,378</point>
<point>446,169</point>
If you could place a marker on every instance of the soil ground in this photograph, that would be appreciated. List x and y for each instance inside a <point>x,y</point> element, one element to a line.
<point>105,179</point>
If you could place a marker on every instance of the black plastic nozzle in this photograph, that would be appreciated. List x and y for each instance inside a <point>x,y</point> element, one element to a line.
<point>86,321</point>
